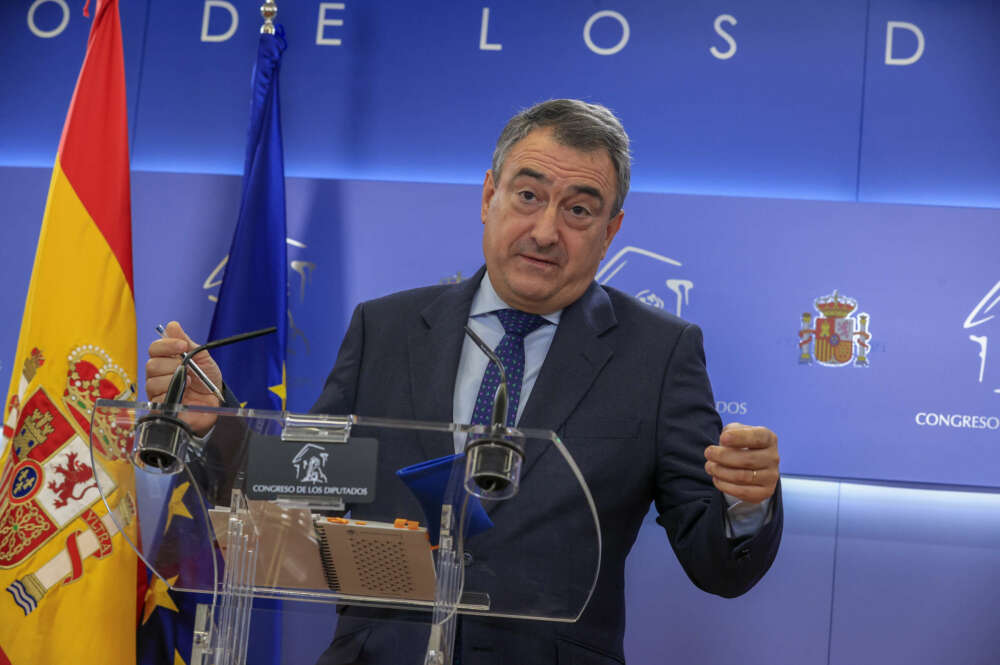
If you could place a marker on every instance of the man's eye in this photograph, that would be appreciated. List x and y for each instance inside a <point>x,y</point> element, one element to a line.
<point>580,211</point>
<point>526,196</point>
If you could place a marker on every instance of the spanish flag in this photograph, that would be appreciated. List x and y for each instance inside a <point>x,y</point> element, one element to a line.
<point>67,574</point>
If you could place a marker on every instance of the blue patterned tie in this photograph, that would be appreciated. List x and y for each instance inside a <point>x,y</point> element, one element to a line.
<point>516,324</point>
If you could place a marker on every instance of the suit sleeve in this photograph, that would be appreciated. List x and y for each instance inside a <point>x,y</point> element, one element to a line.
<point>340,390</point>
<point>691,509</point>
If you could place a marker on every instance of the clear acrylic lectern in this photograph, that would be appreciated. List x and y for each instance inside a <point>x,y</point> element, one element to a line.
<point>372,514</point>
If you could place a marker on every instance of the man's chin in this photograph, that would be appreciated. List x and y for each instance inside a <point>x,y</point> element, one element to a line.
<point>530,300</point>
<point>536,298</point>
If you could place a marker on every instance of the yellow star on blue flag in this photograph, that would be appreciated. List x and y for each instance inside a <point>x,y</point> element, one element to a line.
<point>281,390</point>
<point>176,505</point>
<point>158,595</point>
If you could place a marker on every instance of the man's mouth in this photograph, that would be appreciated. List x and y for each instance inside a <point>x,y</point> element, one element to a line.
<point>540,261</point>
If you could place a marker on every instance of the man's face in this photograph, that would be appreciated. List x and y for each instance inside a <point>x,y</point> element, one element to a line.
<point>547,222</point>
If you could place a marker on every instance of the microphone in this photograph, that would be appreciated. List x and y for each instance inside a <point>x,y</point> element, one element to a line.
<point>493,462</point>
<point>161,438</point>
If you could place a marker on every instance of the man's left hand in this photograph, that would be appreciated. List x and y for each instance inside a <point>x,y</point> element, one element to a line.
<point>745,463</point>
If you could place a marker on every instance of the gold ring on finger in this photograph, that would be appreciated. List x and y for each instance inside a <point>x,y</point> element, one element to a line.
<point>754,476</point>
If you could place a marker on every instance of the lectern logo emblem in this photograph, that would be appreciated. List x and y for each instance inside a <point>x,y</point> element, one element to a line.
<point>836,338</point>
<point>310,464</point>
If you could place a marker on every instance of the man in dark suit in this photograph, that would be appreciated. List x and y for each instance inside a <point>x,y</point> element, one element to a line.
<point>623,384</point>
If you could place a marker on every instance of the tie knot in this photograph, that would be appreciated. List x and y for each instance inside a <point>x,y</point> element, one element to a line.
<point>516,322</point>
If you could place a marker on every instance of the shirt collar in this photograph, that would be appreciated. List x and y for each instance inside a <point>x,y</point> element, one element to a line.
<point>486,300</point>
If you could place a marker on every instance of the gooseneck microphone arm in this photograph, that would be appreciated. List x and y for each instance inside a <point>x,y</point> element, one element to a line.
<point>178,382</point>
<point>500,401</point>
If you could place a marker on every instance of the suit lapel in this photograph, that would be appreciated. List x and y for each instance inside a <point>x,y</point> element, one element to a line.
<point>574,360</point>
<point>434,350</point>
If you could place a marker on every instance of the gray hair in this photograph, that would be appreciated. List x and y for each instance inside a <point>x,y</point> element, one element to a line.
<point>576,124</point>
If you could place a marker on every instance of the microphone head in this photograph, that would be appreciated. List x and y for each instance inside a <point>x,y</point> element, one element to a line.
<point>493,467</point>
<point>161,443</point>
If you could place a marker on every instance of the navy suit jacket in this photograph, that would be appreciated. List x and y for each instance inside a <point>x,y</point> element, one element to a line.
<point>625,387</point>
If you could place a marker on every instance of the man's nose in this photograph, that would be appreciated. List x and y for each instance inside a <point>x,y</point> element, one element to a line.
<point>545,232</point>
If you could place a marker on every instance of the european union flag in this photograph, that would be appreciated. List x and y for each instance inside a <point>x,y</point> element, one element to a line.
<point>253,295</point>
<point>254,291</point>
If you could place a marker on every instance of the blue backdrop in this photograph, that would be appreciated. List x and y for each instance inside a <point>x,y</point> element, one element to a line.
<point>784,153</point>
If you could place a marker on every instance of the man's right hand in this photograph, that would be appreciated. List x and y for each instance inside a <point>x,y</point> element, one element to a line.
<point>164,358</point>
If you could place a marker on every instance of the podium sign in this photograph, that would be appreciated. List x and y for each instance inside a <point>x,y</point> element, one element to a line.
<point>322,472</point>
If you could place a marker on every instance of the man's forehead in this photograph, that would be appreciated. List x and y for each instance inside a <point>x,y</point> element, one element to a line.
<point>541,155</point>
<point>548,135</point>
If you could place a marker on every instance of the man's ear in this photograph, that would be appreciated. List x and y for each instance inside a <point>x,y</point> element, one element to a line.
<point>614,224</point>
<point>489,189</point>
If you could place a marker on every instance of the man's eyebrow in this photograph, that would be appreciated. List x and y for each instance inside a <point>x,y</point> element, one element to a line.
<point>531,173</point>
<point>590,191</point>
<point>579,189</point>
